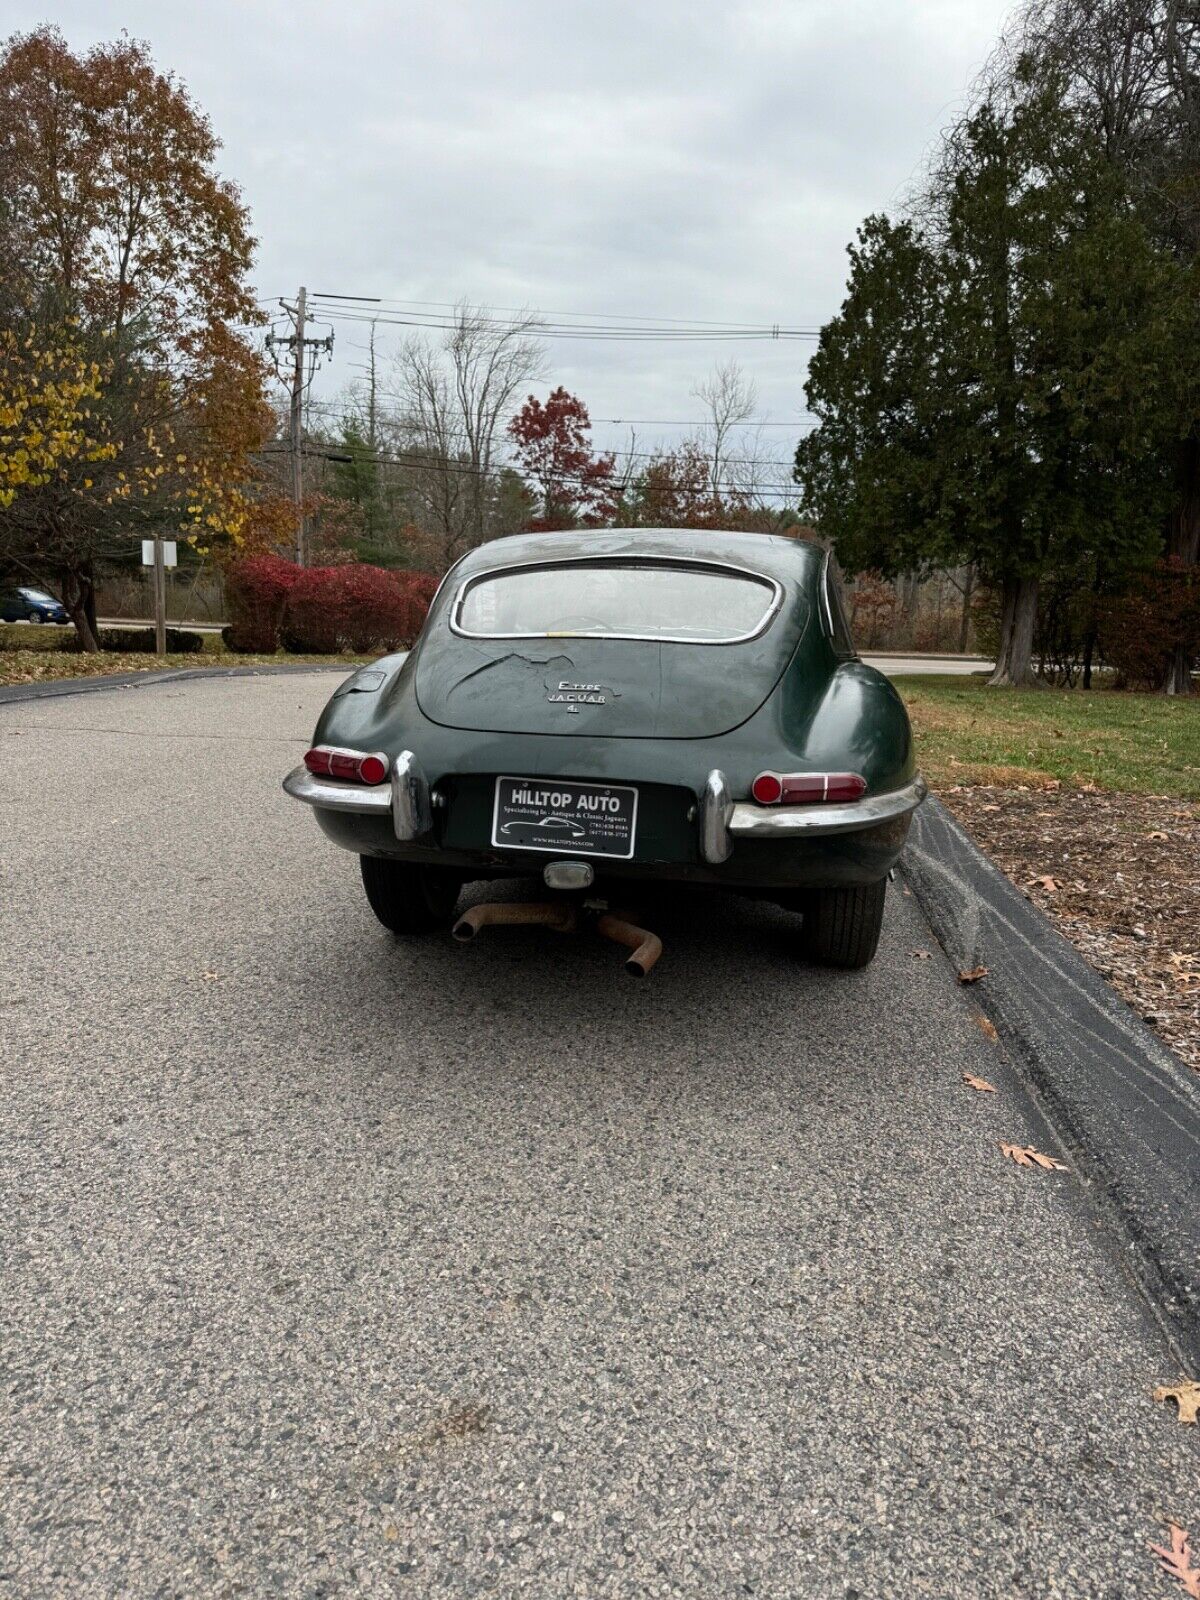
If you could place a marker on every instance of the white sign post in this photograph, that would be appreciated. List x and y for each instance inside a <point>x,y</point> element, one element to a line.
<point>159,554</point>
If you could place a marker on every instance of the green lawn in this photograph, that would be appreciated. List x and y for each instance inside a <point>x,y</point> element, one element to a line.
<point>1138,743</point>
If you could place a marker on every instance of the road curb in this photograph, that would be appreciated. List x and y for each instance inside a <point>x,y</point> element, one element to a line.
<point>1126,1109</point>
<point>53,688</point>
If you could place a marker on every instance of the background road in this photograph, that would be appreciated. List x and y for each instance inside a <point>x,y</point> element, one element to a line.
<point>341,1266</point>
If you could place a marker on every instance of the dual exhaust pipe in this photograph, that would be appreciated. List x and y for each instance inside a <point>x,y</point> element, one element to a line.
<point>563,917</point>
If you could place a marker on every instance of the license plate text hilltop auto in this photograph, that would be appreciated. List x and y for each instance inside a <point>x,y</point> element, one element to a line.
<point>564,818</point>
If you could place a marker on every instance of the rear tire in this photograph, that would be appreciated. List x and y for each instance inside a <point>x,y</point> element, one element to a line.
<point>842,926</point>
<point>409,899</point>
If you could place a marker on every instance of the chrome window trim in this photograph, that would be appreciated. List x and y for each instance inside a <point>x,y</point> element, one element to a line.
<point>826,608</point>
<point>827,615</point>
<point>679,563</point>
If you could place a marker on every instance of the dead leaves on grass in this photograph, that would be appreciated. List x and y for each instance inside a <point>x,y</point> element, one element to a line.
<point>1177,1560</point>
<point>1026,1156</point>
<point>1186,1396</point>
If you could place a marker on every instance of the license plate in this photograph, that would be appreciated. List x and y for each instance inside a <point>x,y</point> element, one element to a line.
<point>586,819</point>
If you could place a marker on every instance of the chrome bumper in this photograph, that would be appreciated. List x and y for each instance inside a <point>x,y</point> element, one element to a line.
<point>722,821</point>
<point>406,795</point>
<point>333,796</point>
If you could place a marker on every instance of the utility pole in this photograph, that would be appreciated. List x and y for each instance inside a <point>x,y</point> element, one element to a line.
<point>297,429</point>
<point>160,598</point>
<point>299,343</point>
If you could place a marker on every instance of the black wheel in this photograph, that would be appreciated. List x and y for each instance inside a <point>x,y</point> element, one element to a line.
<point>36,616</point>
<point>408,898</point>
<point>841,926</point>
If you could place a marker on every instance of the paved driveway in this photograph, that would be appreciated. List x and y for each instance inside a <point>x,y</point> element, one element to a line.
<point>337,1266</point>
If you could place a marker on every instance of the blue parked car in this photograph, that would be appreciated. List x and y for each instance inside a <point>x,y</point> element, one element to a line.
<point>30,605</point>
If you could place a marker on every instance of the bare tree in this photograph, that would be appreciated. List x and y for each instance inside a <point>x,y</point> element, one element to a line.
<point>456,398</point>
<point>730,399</point>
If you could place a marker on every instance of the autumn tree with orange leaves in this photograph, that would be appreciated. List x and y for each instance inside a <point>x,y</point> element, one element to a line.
<point>124,268</point>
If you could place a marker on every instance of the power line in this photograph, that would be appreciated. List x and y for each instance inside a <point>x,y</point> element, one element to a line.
<point>442,464</point>
<point>615,333</point>
<point>332,408</point>
<point>657,455</point>
<point>588,322</point>
<point>525,311</point>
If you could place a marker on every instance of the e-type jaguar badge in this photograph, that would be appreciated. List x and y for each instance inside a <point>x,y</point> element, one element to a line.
<point>574,695</point>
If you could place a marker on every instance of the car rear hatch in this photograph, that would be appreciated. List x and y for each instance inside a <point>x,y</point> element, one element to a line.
<point>609,649</point>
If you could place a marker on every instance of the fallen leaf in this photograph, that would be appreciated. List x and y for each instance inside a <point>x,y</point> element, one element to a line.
<point>1177,1561</point>
<point>1026,1156</point>
<point>973,975</point>
<point>972,1082</point>
<point>210,977</point>
<point>1186,1396</point>
<point>1157,834</point>
<point>986,1027</point>
<point>1045,882</point>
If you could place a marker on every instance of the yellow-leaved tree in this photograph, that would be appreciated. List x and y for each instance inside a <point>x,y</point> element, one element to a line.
<point>132,399</point>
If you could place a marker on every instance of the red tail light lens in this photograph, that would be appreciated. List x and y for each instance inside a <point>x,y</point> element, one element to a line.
<point>807,788</point>
<point>353,765</point>
<point>372,769</point>
<point>767,789</point>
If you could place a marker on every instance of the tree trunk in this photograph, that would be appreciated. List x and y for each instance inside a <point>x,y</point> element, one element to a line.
<point>1183,545</point>
<point>1014,658</point>
<point>79,598</point>
<point>964,625</point>
<point>910,586</point>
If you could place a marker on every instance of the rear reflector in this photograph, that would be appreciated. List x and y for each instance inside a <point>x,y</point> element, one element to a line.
<point>807,788</point>
<point>767,789</point>
<point>355,766</point>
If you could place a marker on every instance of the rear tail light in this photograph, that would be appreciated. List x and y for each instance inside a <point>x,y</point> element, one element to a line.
<point>807,788</point>
<point>354,765</point>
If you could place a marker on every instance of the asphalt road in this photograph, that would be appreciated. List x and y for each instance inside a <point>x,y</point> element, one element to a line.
<point>898,665</point>
<point>337,1266</point>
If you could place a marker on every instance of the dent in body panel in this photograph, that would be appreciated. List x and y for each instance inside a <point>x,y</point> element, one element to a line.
<point>501,660</point>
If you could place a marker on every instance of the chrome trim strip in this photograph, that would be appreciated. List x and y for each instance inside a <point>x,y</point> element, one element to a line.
<point>715,808</point>
<point>412,806</point>
<point>826,608</point>
<point>331,794</point>
<point>684,563</point>
<point>747,820</point>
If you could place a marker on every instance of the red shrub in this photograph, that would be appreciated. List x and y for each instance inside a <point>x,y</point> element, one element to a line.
<point>1141,629</point>
<point>255,593</point>
<point>356,608</point>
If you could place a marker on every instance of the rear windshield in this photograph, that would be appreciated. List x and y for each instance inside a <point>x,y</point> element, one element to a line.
<point>617,600</point>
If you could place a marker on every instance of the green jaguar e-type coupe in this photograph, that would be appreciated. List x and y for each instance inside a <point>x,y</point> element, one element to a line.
<point>638,704</point>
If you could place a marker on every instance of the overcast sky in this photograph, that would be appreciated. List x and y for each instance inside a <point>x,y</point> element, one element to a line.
<point>701,160</point>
